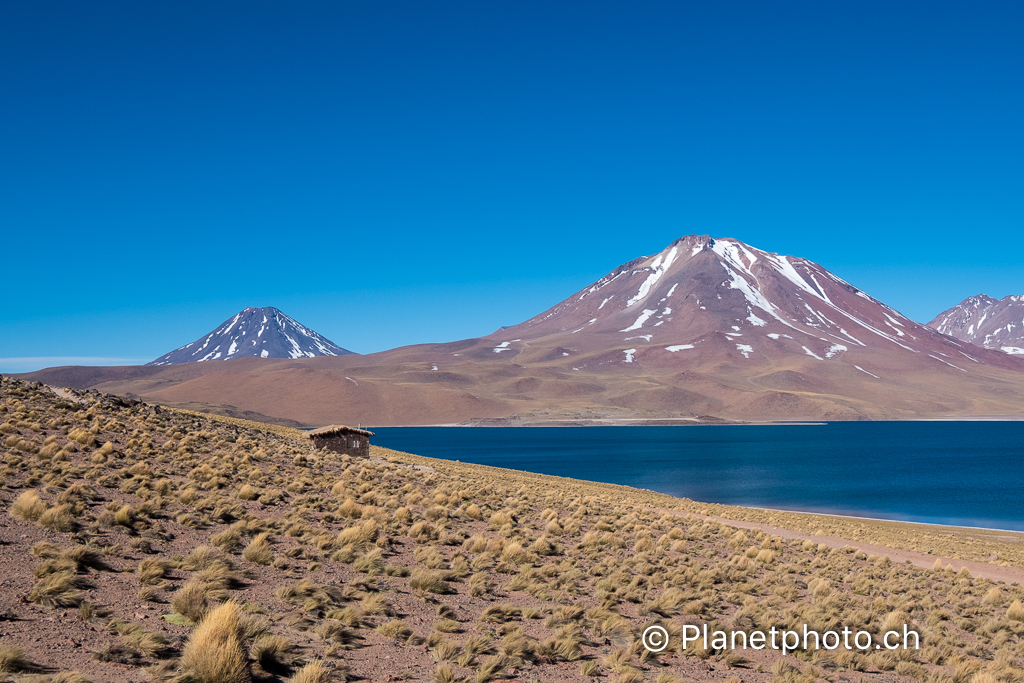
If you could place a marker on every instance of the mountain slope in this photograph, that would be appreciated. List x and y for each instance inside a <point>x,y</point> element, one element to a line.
<point>260,332</point>
<point>738,300</point>
<point>704,330</point>
<point>982,320</point>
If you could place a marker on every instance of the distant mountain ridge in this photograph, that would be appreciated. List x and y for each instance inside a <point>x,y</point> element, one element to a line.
<point>261,332</point>
<point>703,331</point>
<point>985,321</point>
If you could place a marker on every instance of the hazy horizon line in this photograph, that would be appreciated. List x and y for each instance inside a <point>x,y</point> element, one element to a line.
<point>33,363</point>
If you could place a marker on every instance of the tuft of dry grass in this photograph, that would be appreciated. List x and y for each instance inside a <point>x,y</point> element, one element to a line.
<point>338,634</point>
<point>215,652</point>
<point>274,654</point>
<point>431,582</point>
<point>28,507</point>
<point>447,626</point>
<point>203,557</point>
<point>118,653</point>
<point>59,518</point>
<point>444,674</point>
<point>194,599</point>
<point>248,492</point>
<point>313,672</point>
<point>57,590</point>
<point>396,629</point>
<point>371,563</point>
<point>152,571</point>
<point>259,550</point>
<point>13,660</point>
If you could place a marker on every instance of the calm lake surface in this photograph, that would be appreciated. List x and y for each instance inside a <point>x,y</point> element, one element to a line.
<point>963,473</point>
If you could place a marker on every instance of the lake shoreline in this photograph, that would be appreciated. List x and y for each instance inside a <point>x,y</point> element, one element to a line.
<point>644,422</point>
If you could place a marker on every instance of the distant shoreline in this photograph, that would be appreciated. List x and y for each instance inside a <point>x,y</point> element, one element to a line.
<point>691,423</point>
<point>837,515</point>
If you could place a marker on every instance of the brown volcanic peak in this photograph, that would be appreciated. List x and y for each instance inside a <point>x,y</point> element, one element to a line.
<point>982,320</point>
<point>742,302</point>
<point>707,328</point>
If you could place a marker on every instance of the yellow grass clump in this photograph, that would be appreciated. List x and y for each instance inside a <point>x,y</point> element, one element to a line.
<point>215,653</point>
<point>313,672</point>
<point>28,507</point>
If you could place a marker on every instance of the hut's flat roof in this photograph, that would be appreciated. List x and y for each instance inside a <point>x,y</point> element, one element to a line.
<point>338,430</point>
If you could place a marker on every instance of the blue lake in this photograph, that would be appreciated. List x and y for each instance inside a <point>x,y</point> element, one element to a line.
<point>963,473</point>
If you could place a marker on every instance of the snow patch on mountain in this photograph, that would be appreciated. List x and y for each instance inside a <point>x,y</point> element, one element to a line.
<point>811,353</point>
<point>658,268</point>
<point>644,317</point>
<point>866,372</point>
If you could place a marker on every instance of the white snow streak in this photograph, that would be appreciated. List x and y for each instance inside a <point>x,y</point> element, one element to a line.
<point>866,372</point>
<point>754,296</point>
<point>233,322</point>
<point>640,321</point>
<point>949,364</point>
<point>659,269</point>
<point>811,353</point>
<point>845,333</point>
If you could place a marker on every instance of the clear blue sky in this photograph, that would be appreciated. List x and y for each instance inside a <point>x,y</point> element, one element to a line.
<point>394,172</point>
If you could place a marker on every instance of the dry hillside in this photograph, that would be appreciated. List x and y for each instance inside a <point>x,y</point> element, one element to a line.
<point>139,543</point>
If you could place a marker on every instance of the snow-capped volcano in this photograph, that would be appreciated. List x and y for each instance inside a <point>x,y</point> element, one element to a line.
<point>702,294</point>
<point>262,332</point>
<point>982,320</point>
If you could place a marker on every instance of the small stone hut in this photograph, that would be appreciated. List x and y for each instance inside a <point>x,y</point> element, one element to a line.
<point>342,439</point>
